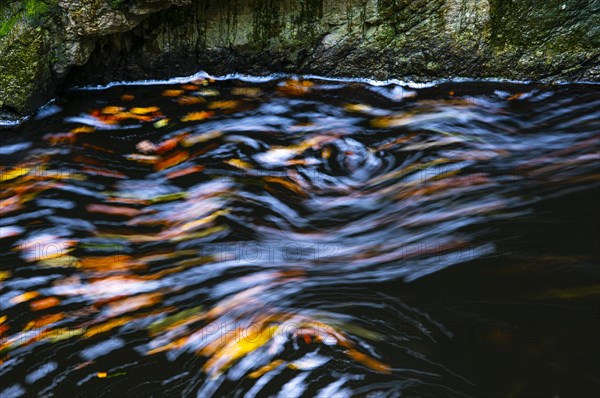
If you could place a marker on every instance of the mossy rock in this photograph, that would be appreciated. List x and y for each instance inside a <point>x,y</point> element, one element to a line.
<point>25,67</point>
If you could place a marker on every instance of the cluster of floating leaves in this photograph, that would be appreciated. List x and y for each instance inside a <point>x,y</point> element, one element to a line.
<point>151,202</point>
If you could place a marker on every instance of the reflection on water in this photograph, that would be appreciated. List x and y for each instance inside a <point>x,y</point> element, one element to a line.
<point>298,237</point>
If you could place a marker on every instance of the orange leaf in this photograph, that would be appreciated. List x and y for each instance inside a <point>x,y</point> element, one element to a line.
<point>112,110</point>
<point>295,87</point>
<point>109,262</point>
<point>186,171</point>
<point>231,104</point>
<point>171,161</point>
<point>44,303</point>
<point>172,93</point>
<point>167,145</point>
<point>369,361</point>
<point>45,320</point>
<point>195,116</point>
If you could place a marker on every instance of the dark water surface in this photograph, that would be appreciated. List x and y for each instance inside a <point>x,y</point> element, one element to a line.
<point>303,238</point>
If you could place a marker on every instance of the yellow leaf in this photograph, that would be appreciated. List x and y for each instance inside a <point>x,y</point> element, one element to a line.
<point>12,174</point>
<point>108,326</point>
<point>240,164</point>
<point>83,129</point>
<point>237,348</point>
<point>21,298</point>
<point>102,375</point>
<point>358,108</point>
<point>144,111</point>
<point>161,123</point>
<point>4,275</point>
<point>286,183</point>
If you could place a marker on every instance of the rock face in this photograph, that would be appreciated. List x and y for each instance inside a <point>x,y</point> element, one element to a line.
<point>44,42</point>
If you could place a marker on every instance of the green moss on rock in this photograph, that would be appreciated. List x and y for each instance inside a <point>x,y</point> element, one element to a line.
<point>25,68</point>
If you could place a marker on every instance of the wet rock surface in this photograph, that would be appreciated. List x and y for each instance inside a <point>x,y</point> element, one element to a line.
<point>45,43</point>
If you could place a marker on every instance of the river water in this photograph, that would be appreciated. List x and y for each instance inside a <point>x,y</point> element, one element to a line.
<point>302,237</point>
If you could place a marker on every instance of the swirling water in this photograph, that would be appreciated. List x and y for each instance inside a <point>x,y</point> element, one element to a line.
<point>302,237</point>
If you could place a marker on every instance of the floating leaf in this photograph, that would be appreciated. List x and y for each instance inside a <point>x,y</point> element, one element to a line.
<point>44,321</point>
<point>44,304</point>
<point>147,159</point>
<point>21,298</point>
<point>144,111</point>
<point>83,129</point>
<point>119,261</point>
<point>167,145</point>
<point>208,92</point>
<point>295,87</point>
<point>246,91</point>
<point>267,368</point>
<point>12,174</point>
<point>112,110</point>
<point>172,93</point>
<point>196,116</point>
<point>62,261</point>
<point>171,161</point>
<point>222,356</point>
<point>130,304</point>
<point>227,105</point>
<point>106,327</point>
<point>196,139</point>
<point>287,184</point>
<point>368,361</point>
<point>190,100</point>
<point>189,87</point>
<point>169,197</point>
<point>184,172</point>
<point>161,123</point>
<point>239,163</point>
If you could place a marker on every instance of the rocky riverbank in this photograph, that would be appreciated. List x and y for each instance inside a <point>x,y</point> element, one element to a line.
<point>45,44</point>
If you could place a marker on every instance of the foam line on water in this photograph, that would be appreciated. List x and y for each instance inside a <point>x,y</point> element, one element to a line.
<point>274,76</point>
